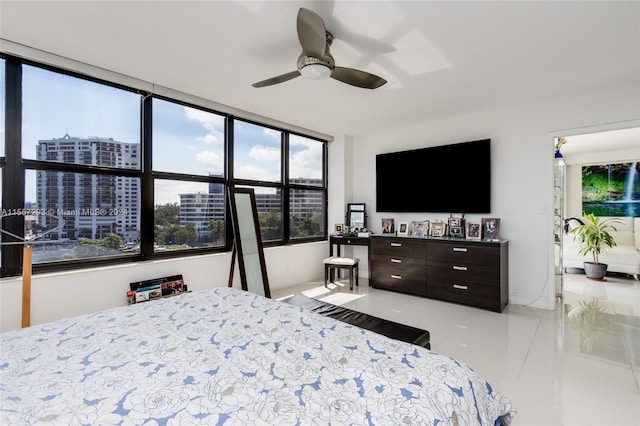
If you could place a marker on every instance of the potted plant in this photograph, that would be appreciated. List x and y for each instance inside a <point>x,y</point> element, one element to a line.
<point>595,238</point>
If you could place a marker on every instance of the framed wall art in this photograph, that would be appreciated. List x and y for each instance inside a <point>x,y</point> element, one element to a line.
<point>611,189</point>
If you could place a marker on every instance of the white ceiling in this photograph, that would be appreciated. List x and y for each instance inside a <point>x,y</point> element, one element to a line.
<point>440,58</point>
<point>627,140</point>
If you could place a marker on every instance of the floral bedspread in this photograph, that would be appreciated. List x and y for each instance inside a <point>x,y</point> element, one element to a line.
<point>225,356</point>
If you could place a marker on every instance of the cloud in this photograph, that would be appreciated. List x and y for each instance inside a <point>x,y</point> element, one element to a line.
<point>251,171</point>
<point>264,153</point>
<point>209,138</point>
<point>211,160</point>
<point>275,134</point>
<point>306,158</point>
<point>213,123</point>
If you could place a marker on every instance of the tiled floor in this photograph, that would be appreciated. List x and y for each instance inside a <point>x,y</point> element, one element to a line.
<point>578,365</point>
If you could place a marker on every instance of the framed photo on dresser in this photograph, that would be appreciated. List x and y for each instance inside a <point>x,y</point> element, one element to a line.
<point>490,228</point>
<point>419,229</point>
<point>474,231</point>
<point>438,229</point>
<point>388,226</point>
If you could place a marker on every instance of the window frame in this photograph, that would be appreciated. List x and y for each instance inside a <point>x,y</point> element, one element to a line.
<point>13,168</point>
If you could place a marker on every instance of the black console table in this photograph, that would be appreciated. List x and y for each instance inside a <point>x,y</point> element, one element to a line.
<point>343,240</point>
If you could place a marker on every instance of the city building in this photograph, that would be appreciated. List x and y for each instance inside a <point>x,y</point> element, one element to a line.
<point>94,205</point>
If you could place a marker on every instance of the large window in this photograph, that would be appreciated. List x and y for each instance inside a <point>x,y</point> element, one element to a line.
<point>77,213</point>
<point>81,215</point>
<point>188,215</point>
<point>257,152</point>
<point>72,120</point>
<point>189,164</point>
<point>305,161</point>
<point>187,140</point>
<point>99,173</point>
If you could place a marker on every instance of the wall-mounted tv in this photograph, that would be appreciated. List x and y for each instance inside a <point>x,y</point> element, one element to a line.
<point>441,179</point>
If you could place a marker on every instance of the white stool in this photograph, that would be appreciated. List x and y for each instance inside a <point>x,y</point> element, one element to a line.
<point>333,263</point>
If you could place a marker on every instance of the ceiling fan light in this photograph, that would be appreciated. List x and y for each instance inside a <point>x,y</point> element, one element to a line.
<point>315,71</point>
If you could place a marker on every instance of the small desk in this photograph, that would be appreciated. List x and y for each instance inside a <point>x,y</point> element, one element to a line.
<point>341,240</point>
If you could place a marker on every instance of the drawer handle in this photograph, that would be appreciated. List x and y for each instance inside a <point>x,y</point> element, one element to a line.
<point>462,249</point>
<point>396,277</point>
<point>396,244</point>
<point>396,260</point>
<point>459,268</point>
<point>460,287</point>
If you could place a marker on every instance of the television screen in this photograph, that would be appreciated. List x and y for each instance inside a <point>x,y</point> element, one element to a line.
<point>442,179</point>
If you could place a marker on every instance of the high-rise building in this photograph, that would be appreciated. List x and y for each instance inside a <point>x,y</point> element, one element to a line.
<point>91,205</point>
<point>199,208</point>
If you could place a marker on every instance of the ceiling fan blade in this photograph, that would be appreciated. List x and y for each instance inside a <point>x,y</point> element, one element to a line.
<point>357,78</point>
<point>312,33</point>
<point>277,79</point>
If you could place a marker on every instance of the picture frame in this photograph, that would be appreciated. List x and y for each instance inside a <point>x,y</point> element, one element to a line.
<point>456,227</point>
<point>456,231</point>
<point>388,226</point>
<point>339,228</point>
<point>474,231</point>
<point>438,229</point>
<point>403,229</point>
<point>419,229</point>
<point>490,228</point>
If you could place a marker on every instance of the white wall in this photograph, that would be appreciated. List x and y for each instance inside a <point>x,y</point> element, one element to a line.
<point>62,295</point>
<point>522,174</point>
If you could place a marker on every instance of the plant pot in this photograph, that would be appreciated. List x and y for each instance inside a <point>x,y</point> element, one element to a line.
<point>595,271</point>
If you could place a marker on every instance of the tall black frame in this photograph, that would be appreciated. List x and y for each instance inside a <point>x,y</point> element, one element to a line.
<point>247,242</point>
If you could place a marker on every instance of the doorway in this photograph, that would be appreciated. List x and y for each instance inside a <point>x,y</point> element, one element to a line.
<point>573,151</point>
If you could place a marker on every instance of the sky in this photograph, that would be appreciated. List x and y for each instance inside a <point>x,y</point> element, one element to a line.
<point>186,140</point>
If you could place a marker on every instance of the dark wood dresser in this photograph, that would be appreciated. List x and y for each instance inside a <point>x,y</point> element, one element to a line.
<point>469,272</point>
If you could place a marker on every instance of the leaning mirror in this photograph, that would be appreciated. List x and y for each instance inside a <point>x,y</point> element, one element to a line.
<point>247,242</point>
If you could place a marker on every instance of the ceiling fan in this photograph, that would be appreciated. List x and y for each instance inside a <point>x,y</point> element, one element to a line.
<point>315,61</point>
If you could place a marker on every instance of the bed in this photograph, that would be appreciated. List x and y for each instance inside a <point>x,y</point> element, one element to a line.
<point>226,356</point>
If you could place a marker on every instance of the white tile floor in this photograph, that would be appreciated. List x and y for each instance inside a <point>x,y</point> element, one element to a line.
<point>535,357</point>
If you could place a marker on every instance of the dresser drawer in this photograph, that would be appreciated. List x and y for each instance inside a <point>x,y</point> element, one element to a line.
<point>461,253</point>
<point>400,266</point>
<point>414,282</point>
<point>398,247</point>
<point>482,296</point>
<point>468,273</point>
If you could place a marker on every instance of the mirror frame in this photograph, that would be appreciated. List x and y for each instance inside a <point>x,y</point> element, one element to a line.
<point>356,208</point>
<point>243,229</point>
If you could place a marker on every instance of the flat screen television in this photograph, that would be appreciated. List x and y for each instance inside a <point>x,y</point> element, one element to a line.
<point>452,178</point>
